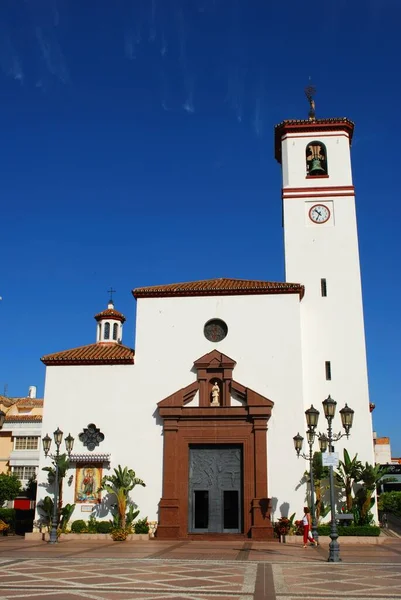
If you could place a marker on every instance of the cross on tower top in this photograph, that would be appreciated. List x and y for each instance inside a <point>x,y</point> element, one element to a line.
<point>111,292</point>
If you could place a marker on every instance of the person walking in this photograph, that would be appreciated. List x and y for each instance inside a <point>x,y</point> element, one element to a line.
<point>306,522</point>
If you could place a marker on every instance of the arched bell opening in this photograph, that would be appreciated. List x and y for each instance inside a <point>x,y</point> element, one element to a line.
<point>316,159</point>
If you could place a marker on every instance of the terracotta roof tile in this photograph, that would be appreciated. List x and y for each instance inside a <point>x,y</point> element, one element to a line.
<point>23,418</point>
<point>25,401</point>
<point>305,125</point>
<point>111,313</point>
<point>219,287</point>
<point>6,401</point>
<point>29,402</point>
<point>106,353</point>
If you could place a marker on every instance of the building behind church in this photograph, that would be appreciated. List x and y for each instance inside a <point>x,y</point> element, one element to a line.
<point>205,408</point>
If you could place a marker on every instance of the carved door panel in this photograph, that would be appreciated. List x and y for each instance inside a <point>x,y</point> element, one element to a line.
<point>215,489</point>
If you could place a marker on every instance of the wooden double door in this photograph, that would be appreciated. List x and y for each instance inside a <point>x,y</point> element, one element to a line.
<point>215,489</point>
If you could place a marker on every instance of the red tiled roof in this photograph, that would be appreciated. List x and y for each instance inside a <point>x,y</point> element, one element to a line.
<point>29,402</point>
<point>102,353</point>
<point>21,402</point>
<point>110,313</point>
<point>6,401</point>
<point>306,126</point>
<point>24,418</point>
<point>219,287</point>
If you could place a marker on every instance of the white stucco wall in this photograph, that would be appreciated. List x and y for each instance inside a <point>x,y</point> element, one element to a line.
<point>383,453</point>
<point>332,326</point>
<point>264,338</point>
<point>338,160</point>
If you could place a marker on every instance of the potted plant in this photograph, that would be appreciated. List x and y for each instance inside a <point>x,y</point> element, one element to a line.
<point>284,527</point>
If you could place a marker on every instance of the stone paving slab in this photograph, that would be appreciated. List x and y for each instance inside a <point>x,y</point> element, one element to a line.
<point>127,578</point>
<point>195,570</point>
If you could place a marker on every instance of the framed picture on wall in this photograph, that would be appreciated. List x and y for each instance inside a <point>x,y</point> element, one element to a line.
<point>87,481</point>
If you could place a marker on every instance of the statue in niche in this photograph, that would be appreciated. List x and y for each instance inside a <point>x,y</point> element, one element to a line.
<point>215,394</point>
<point>316,159</point>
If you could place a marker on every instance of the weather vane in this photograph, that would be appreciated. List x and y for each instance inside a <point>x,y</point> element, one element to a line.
<point>310,91</point>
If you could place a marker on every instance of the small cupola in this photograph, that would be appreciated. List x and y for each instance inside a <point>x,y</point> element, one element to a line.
<point>110,325</point>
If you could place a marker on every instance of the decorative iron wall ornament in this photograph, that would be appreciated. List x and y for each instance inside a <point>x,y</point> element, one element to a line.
<point>91,437</point>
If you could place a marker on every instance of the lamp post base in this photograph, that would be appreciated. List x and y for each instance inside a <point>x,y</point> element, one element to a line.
<point>334,551</point>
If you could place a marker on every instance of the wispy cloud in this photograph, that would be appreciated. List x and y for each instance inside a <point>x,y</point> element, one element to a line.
<point>52,54</point>
<point>9,60</point>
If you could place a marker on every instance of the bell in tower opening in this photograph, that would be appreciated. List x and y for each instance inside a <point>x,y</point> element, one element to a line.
<point>316,159</point>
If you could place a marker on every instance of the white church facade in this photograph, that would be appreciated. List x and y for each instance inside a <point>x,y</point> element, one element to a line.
<point>205,408</point>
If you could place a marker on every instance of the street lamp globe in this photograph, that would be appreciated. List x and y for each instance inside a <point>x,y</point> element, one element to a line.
<point>58,437</point>
<point>69,443</point>
<point>298,440</point>
<point>311,435</point>
<point>46,441</point>
<point>329,406</point>
<point>347,417</point>
<point>312,417</point>
<point>323,442</point>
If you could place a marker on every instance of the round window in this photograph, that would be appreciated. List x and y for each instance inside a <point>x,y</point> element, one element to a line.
<point>215,330</point>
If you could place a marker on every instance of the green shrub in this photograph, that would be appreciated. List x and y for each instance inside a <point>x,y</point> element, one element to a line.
<point>8,515</point>
<point>103,527</point>
<point>78,526</point>
<point>142,526</point>
<point>91,526</point>
<point>352,530</point>
<point>390,502</point>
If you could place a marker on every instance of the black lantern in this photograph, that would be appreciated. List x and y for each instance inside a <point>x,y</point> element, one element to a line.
<point>46,441</point>
<point>312,417</point>
<point>329,406</point>
<point>298,440</point>
<point>2,418</point>
<point>69,443</point>
<point>323,442</point>
<point>58,436</point>
<point>347,417</point>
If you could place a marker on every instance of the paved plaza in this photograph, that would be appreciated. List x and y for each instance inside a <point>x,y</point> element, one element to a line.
<point>192,570</point>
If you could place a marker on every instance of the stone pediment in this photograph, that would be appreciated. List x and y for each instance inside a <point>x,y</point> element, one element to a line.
<point>214,369</point>
<point>213,360</point>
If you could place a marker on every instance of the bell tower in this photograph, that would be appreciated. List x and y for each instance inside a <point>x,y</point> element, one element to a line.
<point>321,252</point>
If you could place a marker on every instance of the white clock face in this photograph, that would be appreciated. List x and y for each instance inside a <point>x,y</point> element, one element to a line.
<point>319,213</point>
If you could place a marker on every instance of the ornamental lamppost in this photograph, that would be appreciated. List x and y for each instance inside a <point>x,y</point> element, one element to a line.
<point>347,416</point>
<point>312,417</point>
<point>69,444</point>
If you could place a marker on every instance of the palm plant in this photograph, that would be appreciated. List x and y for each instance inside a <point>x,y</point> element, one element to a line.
<point>63,465</point>
<point>370,476</point>
<point>119,485</point>
<point>45,509</point>
<point>320,473</point>
<point>349,471</point>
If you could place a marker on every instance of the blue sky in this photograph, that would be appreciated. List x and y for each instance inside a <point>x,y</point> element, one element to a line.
<point>137,148</point>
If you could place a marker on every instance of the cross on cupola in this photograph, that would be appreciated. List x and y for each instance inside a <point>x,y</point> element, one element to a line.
<point>110,323</point>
